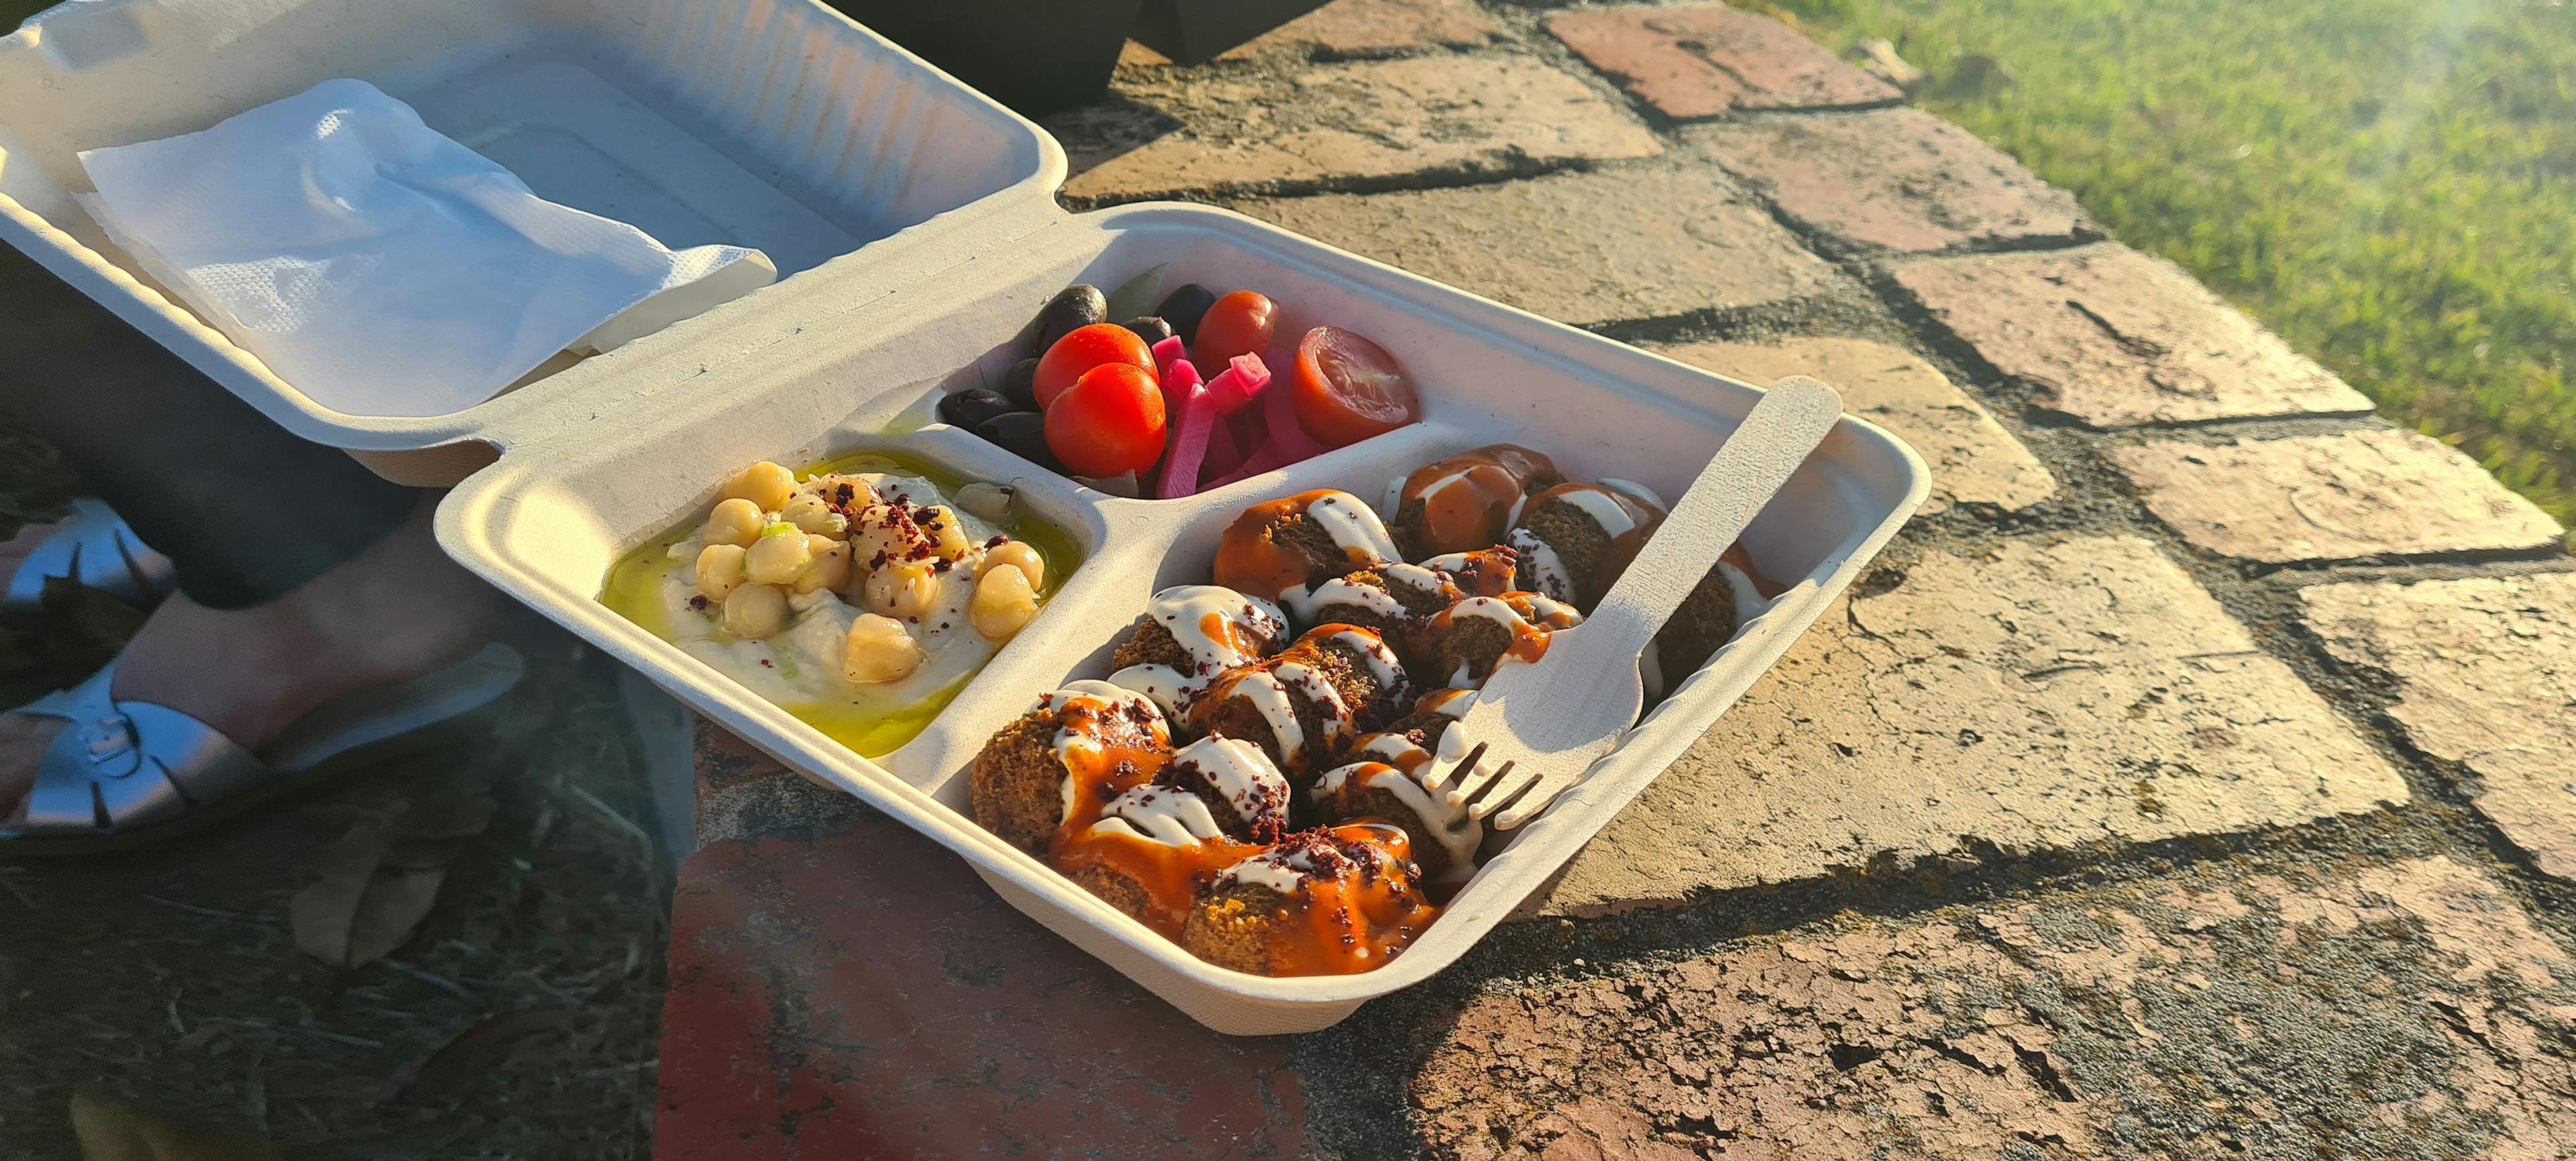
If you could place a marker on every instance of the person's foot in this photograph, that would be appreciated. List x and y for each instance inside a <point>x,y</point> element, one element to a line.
<point>397,611</point>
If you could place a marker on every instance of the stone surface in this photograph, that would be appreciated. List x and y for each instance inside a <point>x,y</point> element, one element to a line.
<point>2085,691</point>
<point>1350,123</point>
<point>2401,1010</point>
<point>1705,60</point>
<point>1902,179</point>
<point>1379,27</point>
<point>2380,491</point>
<point>865,995</point>
<point>1974,460</point>
<point>1678,243</point>
<point>2485,673</point>
<point>2114,338</point>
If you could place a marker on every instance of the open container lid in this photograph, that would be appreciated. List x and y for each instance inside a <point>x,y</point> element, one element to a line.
<point>774,124</point>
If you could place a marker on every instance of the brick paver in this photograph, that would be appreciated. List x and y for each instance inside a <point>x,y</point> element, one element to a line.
<point>2485,676</point>
<point>865,995</point>
<point>1580,248</point>
<point>2115,338</point>
<point>1355,122</point>
<point>1901,179</point>
<point>1974,460</point>
<point>2401,1010</point>
<point>1379,27</point>
<point>1704,60</point>
<point>2047,695</point>
<point>2352,494</point>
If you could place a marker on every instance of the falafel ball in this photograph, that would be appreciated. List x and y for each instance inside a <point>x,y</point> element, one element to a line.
<point>1466,501</point>
<point>1444,836</point>
<point>1329,901</point>
<point>1056,764</point>
<point>1574,540</point>
<point>1283,545</point>
<point>1190,633</point>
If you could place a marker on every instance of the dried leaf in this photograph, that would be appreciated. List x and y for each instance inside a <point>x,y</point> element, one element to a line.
<point>358,909</point>
<point>82,628</point>
<point>468,1048</point>
<point>109,1131</point>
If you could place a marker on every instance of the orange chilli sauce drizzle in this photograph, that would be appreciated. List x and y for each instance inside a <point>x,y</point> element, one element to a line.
<point>1170,876</point>
<point>1467,498</point>
<point>1107,748</point>
<point>1357,919</point>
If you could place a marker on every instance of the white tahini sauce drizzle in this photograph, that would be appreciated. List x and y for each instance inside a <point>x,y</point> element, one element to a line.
<point>1451,826</point>
<point>1353,525</point>
<point>1547,571</point>
<point>1159,814</point>
<point>1335,712</point>
<point>1341,591</point>
<point>1239,773</point>
<point>1600,506</point>
<point>1637,490</point>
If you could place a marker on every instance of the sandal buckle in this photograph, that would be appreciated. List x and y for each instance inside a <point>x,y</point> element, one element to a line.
<point>113,748</point>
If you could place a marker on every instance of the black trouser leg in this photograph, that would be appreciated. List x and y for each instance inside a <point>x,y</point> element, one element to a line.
<point>246,511</point>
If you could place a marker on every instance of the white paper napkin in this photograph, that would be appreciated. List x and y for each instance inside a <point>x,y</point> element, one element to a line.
<point>380,267</point>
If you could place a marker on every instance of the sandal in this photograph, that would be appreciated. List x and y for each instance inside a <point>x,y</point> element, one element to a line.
<point>128,773</point>
<point>95,547</point>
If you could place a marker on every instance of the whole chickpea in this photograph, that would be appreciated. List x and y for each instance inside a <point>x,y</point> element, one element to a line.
<point>735,521</point>
<point>878,649</point>
<point>946,533</point>
<point>779,554</point>
<point>809,513</point>
<point>827,568</point>
<point>1004,603</point>
<point>901,590</point>
<point>755,611</point>
<point>1020,556</point>
<point>764,483</point>
<point>719,570</point>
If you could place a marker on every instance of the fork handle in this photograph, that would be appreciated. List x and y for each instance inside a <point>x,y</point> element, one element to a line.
<point>1749,468</point>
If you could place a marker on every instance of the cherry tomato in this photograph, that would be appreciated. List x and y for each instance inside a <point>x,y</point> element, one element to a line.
<point>1109,422</point>
<point>1348,388</point>
<point>1083,348</point>
<point>1239,324</point>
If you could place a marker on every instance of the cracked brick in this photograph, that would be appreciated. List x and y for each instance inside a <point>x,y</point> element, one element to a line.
<point>2114,338</point>
<point>2485,672</point>
<point>1353,122</point>
<point>2057,695</point>
<point>1704,60</point>
<point>1682,243</point>
<point>1901,179</point>
<point>1974,460</point>
<point>2353,494</point>
<point>2422,1015</point>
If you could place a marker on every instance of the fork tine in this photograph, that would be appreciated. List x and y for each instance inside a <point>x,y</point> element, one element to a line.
<point>1508,794</point>
<point>1482,801</point>
<point>1458,779</point>
<point>1530,799</point>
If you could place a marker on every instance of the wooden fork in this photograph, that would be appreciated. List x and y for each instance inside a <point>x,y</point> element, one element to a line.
<point>1536,729</point>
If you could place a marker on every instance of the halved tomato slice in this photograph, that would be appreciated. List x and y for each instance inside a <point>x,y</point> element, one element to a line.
<point>1348,388</point>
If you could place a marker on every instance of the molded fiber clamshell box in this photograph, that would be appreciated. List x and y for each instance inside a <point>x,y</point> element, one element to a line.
<point>618,462</point>
<point>778,124</point>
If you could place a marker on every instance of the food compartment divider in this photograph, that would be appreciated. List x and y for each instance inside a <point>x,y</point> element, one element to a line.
<point>773,123</point>
<point>546,522</point>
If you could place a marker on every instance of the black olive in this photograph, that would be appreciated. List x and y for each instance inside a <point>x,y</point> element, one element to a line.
<point>1078,305</point>
<point>1021,385</point>
<point>1023,433</point>
<point>1183,308</point>
<point>1149,328</point>
<point>972,406</point>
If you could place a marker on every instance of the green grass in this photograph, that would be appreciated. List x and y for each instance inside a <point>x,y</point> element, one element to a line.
<point>2390,184</point>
